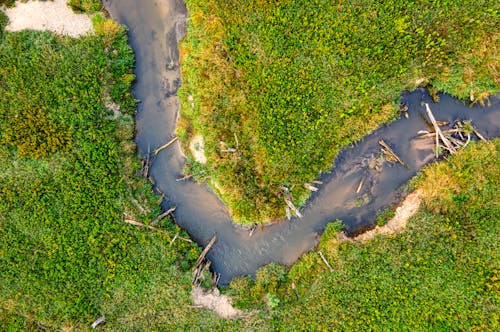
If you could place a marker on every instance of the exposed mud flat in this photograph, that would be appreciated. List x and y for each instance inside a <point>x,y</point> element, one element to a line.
<point>155,27</point>
<point>398,223</point>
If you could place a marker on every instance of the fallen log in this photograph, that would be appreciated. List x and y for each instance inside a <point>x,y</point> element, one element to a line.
<point>130,220</point>
<point>310,187</point>
<point>293,208</point>
<point>478,134</point>
<point>139,206</point>
<point>98,321</point>
<point>325,261</point>
<point>163,215</point>
<point>439,133</point>
<point>205,251</point>
<point>166,145</point>
<point>185,177</point>
<point>360,185</point>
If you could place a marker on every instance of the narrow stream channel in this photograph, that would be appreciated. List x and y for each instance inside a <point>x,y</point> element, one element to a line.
<point>155,27</point>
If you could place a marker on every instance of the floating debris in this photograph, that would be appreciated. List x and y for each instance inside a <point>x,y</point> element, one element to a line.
<point>449,140</point>
<point>390,153</point>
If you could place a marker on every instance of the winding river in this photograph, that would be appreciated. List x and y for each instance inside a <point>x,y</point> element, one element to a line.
<point>155,27</point>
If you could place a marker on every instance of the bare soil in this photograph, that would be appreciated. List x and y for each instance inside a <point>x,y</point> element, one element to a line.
<point>398,223</point>
<point>55,16</point>
<point>213,300</point>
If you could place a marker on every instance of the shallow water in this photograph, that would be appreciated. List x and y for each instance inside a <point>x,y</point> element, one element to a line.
<point>155,26</point>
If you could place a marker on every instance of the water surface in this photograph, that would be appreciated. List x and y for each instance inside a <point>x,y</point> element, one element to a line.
<point>155,27</point>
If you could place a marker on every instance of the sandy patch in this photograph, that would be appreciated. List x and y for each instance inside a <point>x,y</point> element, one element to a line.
<point>398,223</point>
<point>214,301</point>
<point>55,16</point>
<point>197,147</point>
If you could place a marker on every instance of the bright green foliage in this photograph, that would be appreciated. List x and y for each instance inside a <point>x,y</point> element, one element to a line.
<point>440,274</point>
<point>67,178</point>
<point>289,83</point>
<point>88,6</point>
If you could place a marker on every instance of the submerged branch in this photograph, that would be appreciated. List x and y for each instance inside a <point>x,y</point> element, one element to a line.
<point>387,150</point>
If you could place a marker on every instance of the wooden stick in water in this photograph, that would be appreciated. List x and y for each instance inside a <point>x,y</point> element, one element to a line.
<point>205,251</point>
<point>166,145</point>
<point>388,150</point>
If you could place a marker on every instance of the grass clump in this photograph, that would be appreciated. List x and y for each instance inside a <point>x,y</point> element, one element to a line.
<point>88,6</point>
<point>441,273</point>
<point>7,3</point>
<point>285,85</point>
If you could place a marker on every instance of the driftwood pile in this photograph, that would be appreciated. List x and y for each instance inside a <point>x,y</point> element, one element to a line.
<point>448,141</point>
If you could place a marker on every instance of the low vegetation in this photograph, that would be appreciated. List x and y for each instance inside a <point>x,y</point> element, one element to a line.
<point>85,5</point>
<point>67,257</point>
<point>440,274</point>
<point>276,89</point>
<point>7,3</point>
<point>68,175</point>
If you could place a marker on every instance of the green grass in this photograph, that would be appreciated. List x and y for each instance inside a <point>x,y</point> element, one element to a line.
<point>85,5</point>
<point>290,83</point>
<point>440,274</point>
<point>67,257</point>
<point>68,174</point>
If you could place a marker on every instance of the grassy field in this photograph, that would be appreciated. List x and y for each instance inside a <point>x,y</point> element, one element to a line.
<point>68,173</point>
<point>285,85</point>
<point>441,274</point>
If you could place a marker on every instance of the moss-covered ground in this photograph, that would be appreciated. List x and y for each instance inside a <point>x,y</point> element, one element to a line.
<point>277,88</point>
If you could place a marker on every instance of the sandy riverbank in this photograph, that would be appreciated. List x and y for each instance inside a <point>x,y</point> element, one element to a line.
<point>55,16</point>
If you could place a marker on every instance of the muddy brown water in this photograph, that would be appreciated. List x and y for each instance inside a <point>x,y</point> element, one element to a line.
<point>155,27</point>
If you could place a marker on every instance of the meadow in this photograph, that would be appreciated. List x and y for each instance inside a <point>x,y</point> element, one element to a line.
<point>70,178</point>
<point>277,89</point>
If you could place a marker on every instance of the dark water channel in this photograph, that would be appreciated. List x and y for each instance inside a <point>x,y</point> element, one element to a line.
<point>155,26</point>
